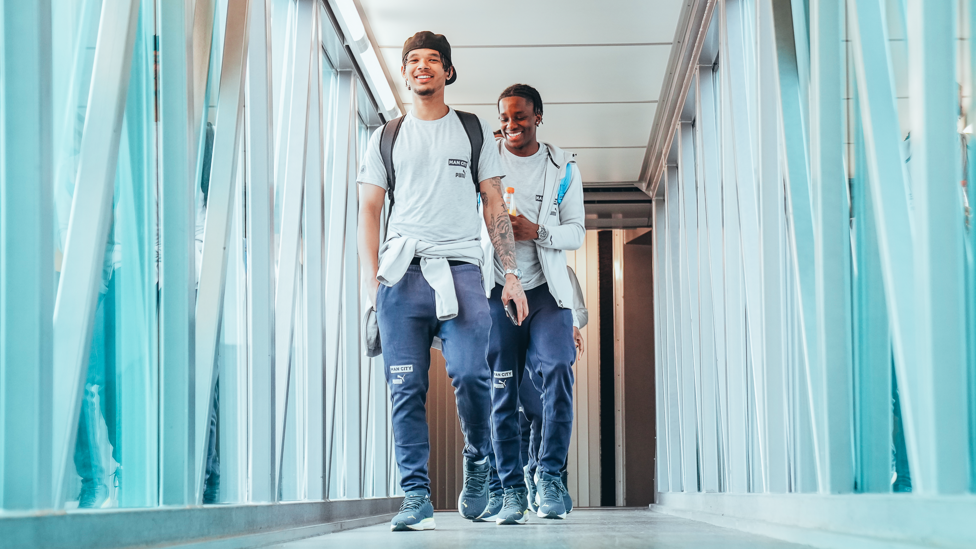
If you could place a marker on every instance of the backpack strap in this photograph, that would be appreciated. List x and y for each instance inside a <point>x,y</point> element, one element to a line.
<point>390,131</point>
<point>564,184</point>
<point>472,127</point>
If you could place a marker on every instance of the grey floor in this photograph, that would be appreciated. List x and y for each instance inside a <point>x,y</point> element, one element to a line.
<point>584,528</point>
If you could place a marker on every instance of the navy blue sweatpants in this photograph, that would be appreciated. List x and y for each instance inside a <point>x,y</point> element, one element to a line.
<point>530,403</point>
<point>543,343</point>
<point>408,322</point>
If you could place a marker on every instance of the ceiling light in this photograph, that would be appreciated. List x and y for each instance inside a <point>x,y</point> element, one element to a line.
<point>376,74</point>
<point>351,16</point>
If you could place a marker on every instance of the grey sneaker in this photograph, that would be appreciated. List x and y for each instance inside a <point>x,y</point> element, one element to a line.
<point>551,492</point>
<point>533,492</point>
<point>515,507</point>
<point>416,513</point>
<point>495,500</point>
<point>94,495</point>
<point>473,500</point>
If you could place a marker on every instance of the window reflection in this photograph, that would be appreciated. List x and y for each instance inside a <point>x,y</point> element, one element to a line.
<point>118,414</point>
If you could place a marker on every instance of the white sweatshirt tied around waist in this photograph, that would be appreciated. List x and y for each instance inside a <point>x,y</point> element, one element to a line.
<point>398,251</point>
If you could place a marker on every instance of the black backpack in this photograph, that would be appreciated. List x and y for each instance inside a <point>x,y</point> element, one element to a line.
<point>472,127</point>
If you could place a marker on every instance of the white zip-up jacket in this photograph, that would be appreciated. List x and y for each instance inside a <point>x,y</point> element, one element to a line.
<point>564,222</point>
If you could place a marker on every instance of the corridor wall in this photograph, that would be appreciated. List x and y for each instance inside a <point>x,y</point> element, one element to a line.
<point>814,283</point>
<point>180,289</point>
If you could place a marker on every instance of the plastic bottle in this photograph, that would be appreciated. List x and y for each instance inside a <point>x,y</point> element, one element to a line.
<point>510,200</point>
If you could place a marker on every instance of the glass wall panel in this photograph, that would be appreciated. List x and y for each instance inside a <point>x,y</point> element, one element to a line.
<point>118,416</point>
<point>336,423</point>
<point>832,203</point>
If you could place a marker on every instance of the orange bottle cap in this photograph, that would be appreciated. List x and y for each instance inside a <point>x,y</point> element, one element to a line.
<point>510,189</point>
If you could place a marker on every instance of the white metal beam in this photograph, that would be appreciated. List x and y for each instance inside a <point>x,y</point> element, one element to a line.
<point>939,404</point>
<point>352,416</point>
<point>314,283</point>
<point>690,340</point>
<point>873,414</point>
<point>711,147</point>
<point>91,216</point>
<point>220,202</point>
<point>800,196</point>
<point>136,286</point>
<point>832,250</point>
<point>740,76</point>
<point>887,174</point>
<point>293,131</point>
<point>673,378</point>
<point>260,254</point>
<point>662,442</point>
<point>773,226</point>
<point>177,257</point>
<point>337,222</point>
<point>710,306</point>
<point>26,262</point>
<point>735,337</point>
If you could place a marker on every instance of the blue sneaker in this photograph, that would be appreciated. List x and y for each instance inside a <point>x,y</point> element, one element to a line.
<point>533,492</point>
<point>473,501</point>
<point>515,507</point>
<point>495,500</point>
<point>551,492</point>
<point>416,513</point>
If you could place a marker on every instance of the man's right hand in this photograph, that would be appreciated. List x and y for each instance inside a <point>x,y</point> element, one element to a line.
<point>513,292</point>
<point>372,286</point>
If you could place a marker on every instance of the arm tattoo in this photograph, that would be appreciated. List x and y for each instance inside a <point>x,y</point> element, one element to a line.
<point>499,226</point>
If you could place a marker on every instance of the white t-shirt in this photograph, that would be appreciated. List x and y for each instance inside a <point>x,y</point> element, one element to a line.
<point>436,200</point>
<point>527,176</point>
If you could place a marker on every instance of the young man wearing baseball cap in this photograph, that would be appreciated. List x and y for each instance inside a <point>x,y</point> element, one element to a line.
<point>426,281</point>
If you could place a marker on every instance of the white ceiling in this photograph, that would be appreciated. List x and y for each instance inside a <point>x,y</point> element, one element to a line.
<point>599,66</point>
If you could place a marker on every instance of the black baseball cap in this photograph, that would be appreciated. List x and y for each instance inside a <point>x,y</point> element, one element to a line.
<point>426,40</point>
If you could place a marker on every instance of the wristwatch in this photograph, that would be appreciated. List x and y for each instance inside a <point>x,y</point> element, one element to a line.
<point>516,271</point>
<point>543,233</point>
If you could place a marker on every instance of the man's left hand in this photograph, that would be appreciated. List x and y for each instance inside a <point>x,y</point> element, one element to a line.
<point>523,228</point>
<point>578,340</point>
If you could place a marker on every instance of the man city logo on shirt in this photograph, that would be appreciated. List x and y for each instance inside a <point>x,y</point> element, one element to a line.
<point>457,163</point>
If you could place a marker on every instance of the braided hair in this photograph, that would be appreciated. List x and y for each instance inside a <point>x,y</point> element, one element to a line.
<point>526,91</point>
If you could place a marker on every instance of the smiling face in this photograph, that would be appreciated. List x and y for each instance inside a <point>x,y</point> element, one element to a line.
<point>423,70</point>
<point>519,121</point>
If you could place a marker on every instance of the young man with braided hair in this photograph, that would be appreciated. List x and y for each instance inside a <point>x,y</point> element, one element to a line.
<point>426,279</point>
<point>549,199</point>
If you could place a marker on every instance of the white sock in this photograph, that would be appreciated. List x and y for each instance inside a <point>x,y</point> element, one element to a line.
<point>482,461</point>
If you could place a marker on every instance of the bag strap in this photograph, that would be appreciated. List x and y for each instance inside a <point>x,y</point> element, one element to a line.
<point>472,127</point>
<point>390,131</point>
<point>564,184</point>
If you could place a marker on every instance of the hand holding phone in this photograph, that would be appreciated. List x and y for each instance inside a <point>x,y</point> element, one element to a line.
<point>511,312</point>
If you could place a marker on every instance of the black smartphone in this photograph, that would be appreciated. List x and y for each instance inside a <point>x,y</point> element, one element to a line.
<point>512,312</point>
